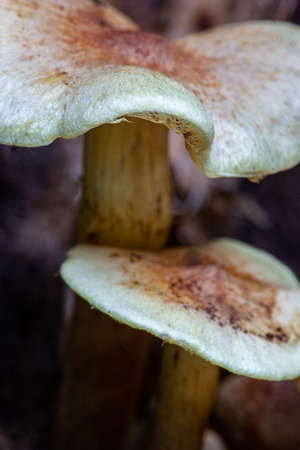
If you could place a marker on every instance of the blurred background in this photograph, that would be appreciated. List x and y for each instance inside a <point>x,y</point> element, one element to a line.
<point>39,195</point>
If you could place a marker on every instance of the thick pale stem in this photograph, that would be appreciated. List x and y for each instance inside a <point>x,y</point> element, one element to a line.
<point>127,191</point>
<point>185,399</point>
<point>126,201</point>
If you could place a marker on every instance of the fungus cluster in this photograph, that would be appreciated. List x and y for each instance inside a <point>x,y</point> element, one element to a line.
<point>69,68</point>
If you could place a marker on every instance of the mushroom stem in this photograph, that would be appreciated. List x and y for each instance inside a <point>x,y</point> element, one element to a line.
<point>126,189</point>
<point>185,397</point>
<point>126,201</point>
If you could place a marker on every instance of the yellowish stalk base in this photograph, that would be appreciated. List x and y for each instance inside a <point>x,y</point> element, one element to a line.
<point>186,394</point>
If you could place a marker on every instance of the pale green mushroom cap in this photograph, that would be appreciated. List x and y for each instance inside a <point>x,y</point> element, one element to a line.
<point>234,305</point>
<point>251,87</point>
<point>67,67</point>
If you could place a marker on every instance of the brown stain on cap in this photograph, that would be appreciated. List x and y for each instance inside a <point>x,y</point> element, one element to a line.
<point>90,34</point>
<point>227,299</point>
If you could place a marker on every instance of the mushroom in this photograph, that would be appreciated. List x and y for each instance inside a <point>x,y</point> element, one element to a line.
<point>235,306</point>
<point>75,67</point>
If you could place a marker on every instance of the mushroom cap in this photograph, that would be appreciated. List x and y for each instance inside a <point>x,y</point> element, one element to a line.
<point>72,66</point>
<point>235,306</point>
<point>251,88</point>
<point>68,67</point>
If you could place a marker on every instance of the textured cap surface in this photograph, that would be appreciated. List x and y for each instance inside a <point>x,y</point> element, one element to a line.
<point>68,66</point>
<point>251,87</point>
<point>235,306</point>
